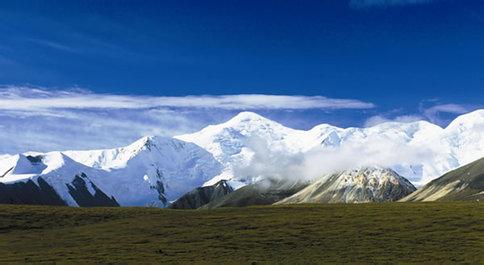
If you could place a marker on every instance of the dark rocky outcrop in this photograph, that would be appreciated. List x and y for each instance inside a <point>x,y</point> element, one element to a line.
<point>30,193</point>
<point>79,191</point>
<point>202,195</point>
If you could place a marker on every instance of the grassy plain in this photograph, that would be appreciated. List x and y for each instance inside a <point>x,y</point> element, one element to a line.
<point>332,233</point>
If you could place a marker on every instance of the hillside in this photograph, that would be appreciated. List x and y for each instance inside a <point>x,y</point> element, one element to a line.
<point>202,195</point>
<point>464,183</point>
<point>354,186</point>
<point>324,233</point>
<point>265,192</point>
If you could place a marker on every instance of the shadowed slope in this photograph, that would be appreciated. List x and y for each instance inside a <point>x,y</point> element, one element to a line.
<point>202,195</point>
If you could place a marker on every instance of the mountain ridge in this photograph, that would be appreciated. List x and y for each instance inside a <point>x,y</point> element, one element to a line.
<point>247,149</point>
<point>151,171</point>
<point>443,148</point>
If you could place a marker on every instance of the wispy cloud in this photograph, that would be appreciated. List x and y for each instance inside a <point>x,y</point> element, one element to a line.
<point>43,120</point>
<point>51,44</point>
<point>433,113</point>
<point>21,98</point>
<point>362,4</point>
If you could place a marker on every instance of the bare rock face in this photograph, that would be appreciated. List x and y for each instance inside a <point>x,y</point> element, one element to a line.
<point>464,183</point>
<point>354,186</point>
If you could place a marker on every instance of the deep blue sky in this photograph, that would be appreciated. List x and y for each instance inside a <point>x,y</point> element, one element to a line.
<point>412,60</point>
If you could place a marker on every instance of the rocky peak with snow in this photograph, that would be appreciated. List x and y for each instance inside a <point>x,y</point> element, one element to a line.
<point>368,184</point>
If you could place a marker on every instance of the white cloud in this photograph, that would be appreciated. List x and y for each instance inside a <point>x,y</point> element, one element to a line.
<point>377,119</point>
<point>89,129</point>
<point>22,98</point>
<point>448,108</point>
<point>359,4</point>
<point>374,150</point>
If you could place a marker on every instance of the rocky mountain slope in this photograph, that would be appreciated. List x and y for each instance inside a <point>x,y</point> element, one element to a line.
<point>464,183</point>
<point>264,192</point>
<point>354,186</point>
<point>202,195</point>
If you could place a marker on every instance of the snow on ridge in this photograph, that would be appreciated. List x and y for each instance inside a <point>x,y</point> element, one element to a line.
<point>151,171</point>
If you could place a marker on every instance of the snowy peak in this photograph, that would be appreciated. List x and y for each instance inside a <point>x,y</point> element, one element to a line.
<point>248,117</point>
<point>419,150</point>
<point>235,142</point>
<point>468,120</point>
<point>244,123</point>
<point>150,147</point>
<point>160,166</point>
<point>149,172</point>
<point>28,165</point>
<point>250,121</point>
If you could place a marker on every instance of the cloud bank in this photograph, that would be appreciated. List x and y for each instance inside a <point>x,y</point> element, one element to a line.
<point>375,150</point>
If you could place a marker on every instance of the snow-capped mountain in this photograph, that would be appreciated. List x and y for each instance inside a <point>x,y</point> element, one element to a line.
<point>151,171</point>
<point>251,147</point>
<point>244,150</point>
<point>55,169</point>
<point>237,143</point>
<point>354,186</point>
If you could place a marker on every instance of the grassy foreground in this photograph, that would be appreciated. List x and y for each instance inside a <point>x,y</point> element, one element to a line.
<point>391,232</point>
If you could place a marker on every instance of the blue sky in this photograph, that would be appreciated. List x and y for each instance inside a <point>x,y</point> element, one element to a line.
<point>385,59</point>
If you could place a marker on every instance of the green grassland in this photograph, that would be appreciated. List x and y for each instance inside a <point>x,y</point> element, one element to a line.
<point>333,233</point>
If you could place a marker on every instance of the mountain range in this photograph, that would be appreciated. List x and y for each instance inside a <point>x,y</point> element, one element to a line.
<point>150,172</point>
<point>245,151</point>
